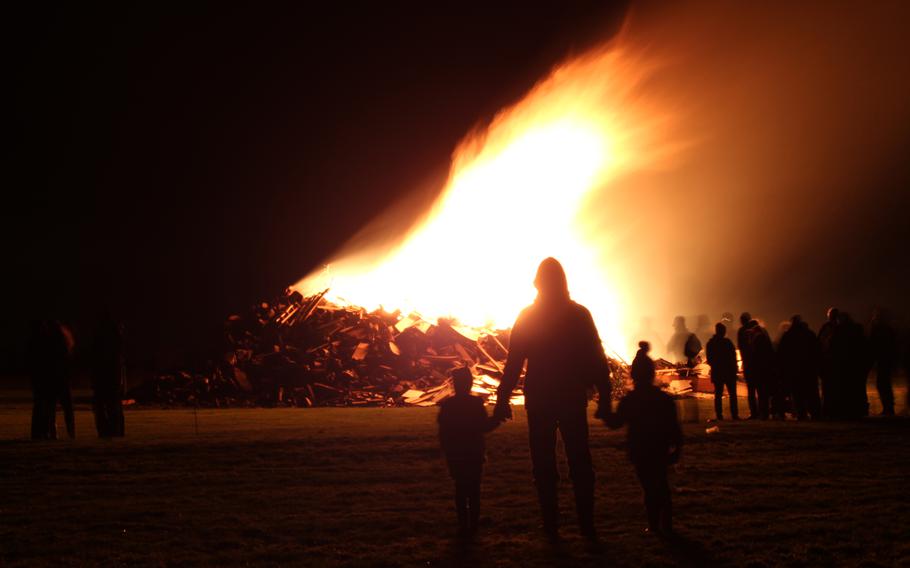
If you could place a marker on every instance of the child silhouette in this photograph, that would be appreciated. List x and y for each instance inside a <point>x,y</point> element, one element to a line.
<point>654,438</point>
<point>463,421</point>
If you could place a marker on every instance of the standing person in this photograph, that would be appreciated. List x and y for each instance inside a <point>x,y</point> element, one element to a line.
<point>107,378</point>
<point>855,363</point>
<point>721,356</point>
<point>828,362</point>
<point>463,421</point>
<point>762,367</point>
<point>654,439</point>
<point>798,365</point>
<point>558,339</point>
<point>39,360</point>
<point>748,339</point>
<point>49,359</point>
<point>883,342</point>
<point>676,346</point>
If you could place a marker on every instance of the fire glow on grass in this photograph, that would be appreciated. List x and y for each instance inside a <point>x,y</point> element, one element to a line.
<point>518,191</point>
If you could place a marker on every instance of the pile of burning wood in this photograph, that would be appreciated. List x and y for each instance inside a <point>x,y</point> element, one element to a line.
<point>300,351</point>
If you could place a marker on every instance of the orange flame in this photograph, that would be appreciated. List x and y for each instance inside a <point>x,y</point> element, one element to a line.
<point>517,192</point>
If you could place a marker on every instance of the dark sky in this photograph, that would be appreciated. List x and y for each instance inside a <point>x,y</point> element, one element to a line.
<point>180,163</point>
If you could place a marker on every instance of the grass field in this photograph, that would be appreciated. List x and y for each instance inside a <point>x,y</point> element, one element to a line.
<point>367,487</point>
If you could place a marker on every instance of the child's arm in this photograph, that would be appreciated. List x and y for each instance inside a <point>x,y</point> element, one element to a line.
<point>489,423</point>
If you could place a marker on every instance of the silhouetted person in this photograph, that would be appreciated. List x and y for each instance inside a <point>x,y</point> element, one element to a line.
<point>883,343</point>
<point>853,363</point>
<point>827,362</point>
<point>463,421</point>
<point>703,329</point>
<point>49,354</point>
<point>558,339</point>
<point>654,439</point>
<point>721,356</point>
<point>758,364</point>
<point>798,358</point>
<point>676,347</point>
<point>107,378</point>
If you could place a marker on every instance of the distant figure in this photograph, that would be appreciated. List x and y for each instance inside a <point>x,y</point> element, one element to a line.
<point>827,362</point>
<point>779,386</point>
<point>654,440</point>
<point>703,329</point>
<point>463,421</point>
<point>758,364</point>
<point>798,358</point>
<point>853,364</point>
<point>107,378</point>
<point>676,347</point>
<point>49,352</point>
<point>564,355</point>
<point>883,342</point>
<point>721,356</point>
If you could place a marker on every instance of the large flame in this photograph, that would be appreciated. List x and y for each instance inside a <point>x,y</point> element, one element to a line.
<point>518,191</point>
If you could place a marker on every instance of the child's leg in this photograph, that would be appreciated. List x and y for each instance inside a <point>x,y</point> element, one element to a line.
<point>645,473</point>
<point>474,503</point>
<point>665,500</point>
<point>461,504</point>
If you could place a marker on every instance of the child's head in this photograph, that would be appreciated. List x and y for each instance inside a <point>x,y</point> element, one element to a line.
<point>642,370</point>
<point>462,379</point>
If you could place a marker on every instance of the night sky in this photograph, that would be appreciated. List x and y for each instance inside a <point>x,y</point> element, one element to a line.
<point>181,164</point>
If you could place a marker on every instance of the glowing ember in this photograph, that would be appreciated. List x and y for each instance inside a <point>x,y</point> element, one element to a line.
<point>518,192</point>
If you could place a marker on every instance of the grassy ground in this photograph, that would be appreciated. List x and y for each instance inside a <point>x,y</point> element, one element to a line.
<point>367,487</point>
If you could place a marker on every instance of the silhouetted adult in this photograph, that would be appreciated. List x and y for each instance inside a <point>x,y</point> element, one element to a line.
<point>676,347</point>
<point>654,439</point>
<point>757,355</point>
<point>883,342</point>
<point>828,362</point>
<point>107,378</point>
<point>558,339</point>
<point>49,353</point>
<point>853,364</point>
<point>763,366</point>
<point>721,356</point>
<point>798,357</point>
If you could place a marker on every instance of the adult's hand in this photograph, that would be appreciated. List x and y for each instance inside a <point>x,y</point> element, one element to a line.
<point>502,410</point>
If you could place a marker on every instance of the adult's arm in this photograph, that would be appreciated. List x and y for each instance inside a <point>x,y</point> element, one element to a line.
<point>514,363</point>
<point>600,369</point>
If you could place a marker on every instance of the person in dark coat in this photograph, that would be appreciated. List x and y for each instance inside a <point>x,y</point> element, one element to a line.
<point>558,339</point>
<point>758,364</point>
<point>49,352</point>
<point>798,358</point>
<point>883,343</point>
<point>676,346</point>
<point>828,363</point>
<point>721,356</point>
<point>854,362</point>
<point>107,378</point>
<point>763,366</point>
<point>463,421</point>
<point>654,440</point>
